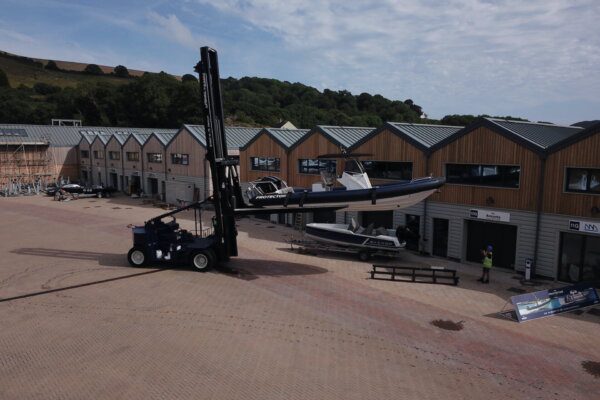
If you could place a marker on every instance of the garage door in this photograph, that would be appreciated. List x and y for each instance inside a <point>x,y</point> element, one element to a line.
<point>502,237</point>
<point>179,191</point>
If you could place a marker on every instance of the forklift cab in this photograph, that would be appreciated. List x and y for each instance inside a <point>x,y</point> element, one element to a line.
<point>159,241</point>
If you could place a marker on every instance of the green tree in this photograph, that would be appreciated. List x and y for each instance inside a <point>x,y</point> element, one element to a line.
<point>93,69</point>
<point>45,88</point>
<point>51,65</point>
<point>4,80</point>
<point>189,78</point>
<point>121,71</point>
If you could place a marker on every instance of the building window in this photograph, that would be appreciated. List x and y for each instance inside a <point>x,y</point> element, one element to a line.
<point>178,158</point>
<point>85,154</point>
<point>583,180</point>
<point>265,164</point>
<point>393,170</point>
<point>98,154</point>
<point>114,155</point>
<point>133,156</point>
<point>154,157</point>
<point>314,167</point>
<point>484,175</point>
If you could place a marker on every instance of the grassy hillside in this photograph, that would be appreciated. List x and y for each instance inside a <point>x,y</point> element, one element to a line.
<point>28,73</point>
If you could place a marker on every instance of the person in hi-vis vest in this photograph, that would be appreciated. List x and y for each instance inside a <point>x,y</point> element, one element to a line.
<point>487,264</point>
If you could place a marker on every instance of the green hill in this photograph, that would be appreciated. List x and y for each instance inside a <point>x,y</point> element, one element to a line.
<point>41,90</point>
<point>26,71</point>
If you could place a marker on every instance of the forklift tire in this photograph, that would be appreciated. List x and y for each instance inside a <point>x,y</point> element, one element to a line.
<point>203,260</point>
<point>364,256</point>
<point>136,257</point>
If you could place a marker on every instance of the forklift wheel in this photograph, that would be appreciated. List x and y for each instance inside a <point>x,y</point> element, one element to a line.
<point>203,260</point>
<point>364,256</point>
<point>136,257</point>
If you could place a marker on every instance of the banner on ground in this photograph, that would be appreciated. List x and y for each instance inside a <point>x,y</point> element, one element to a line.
<point>545,303</point>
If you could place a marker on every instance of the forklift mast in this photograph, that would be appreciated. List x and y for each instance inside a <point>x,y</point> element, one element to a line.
<point>226,187</point>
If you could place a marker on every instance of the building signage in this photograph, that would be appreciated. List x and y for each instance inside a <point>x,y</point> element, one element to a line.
<point>554,301</point>
<point>490,215</point>
<point>585,226</point>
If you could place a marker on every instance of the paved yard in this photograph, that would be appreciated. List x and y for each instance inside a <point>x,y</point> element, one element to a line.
<point>286,326</point>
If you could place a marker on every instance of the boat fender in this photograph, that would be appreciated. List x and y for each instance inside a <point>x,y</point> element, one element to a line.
<point>304,194</point>
<point>373,196</point>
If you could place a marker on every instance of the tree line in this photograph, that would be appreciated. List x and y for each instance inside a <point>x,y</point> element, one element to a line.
<point>163,101</point>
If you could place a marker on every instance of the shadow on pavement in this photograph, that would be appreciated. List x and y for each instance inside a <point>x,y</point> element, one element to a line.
<point>248,269</point>
<point>107,259</point>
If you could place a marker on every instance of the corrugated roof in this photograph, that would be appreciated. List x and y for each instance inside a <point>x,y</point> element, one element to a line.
<point>59,136</point>
<point>141,137</point>
<point>237,136</point>
<point>121,137</point>
<point>425,134</point>
<point>67,136</point>
<point>287,137</point>
<point>345,136</point>
<point>163,137</point>
<point>539,134</point>
<point>198,132</point>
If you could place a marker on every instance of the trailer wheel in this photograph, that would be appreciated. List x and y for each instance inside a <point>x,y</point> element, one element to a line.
<point>203,260</point>
<point>364,255</point>
<point>136,257</point>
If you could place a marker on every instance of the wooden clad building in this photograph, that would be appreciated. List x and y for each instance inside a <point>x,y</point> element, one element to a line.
<point>267,154</point>
<point>98,155</point>
<point>570,223</point>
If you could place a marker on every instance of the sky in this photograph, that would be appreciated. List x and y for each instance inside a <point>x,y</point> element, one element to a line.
<point>535,59</point>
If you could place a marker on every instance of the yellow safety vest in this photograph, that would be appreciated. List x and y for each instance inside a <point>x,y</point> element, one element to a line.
<point>487,260</point>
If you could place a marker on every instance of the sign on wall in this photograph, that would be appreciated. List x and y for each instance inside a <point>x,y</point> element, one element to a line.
<point>585,226</point>
<point>545,303</point>
<point>489,215</point>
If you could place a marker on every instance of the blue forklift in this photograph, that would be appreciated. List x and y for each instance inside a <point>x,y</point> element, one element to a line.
<point>158,241</point>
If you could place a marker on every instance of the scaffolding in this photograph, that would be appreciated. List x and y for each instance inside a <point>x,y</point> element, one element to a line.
<point>26,167</point>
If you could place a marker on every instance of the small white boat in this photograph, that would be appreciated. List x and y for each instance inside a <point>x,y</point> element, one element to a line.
<point>353,235</point>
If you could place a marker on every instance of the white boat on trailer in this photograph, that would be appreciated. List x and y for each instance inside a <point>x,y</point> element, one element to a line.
<point>351,238</point>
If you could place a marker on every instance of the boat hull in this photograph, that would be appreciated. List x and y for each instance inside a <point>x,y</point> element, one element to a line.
<point>339,235</point>
<point>384,197</point>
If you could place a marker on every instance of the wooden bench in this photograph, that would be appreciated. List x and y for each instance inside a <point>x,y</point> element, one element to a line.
<point>438,275</point>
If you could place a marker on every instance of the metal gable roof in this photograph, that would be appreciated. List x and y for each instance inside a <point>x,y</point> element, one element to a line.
<point>238,137</point>
<point>587,132</point>
<point>345,136</point>
<point>287,137</point>
<point>121,137</point>
<point>539,134</point>
<point>164,137</point>
<point>198,132</point>
<point>56,136</point>
<point>425,134</point>
<point>141,137</point>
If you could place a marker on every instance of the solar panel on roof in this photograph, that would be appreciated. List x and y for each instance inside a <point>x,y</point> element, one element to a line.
<point>13,132</point>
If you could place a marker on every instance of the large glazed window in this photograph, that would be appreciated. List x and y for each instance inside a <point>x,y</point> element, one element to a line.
<point>265,164</point>
<point>315,166</point>
<point>583,180</point>
<point>507,176</point>
<point>114,155</point>
<point>393,170</point>
<point>133,156</point>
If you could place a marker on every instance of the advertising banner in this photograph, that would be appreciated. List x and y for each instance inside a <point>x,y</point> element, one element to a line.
<point>554,301</point>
